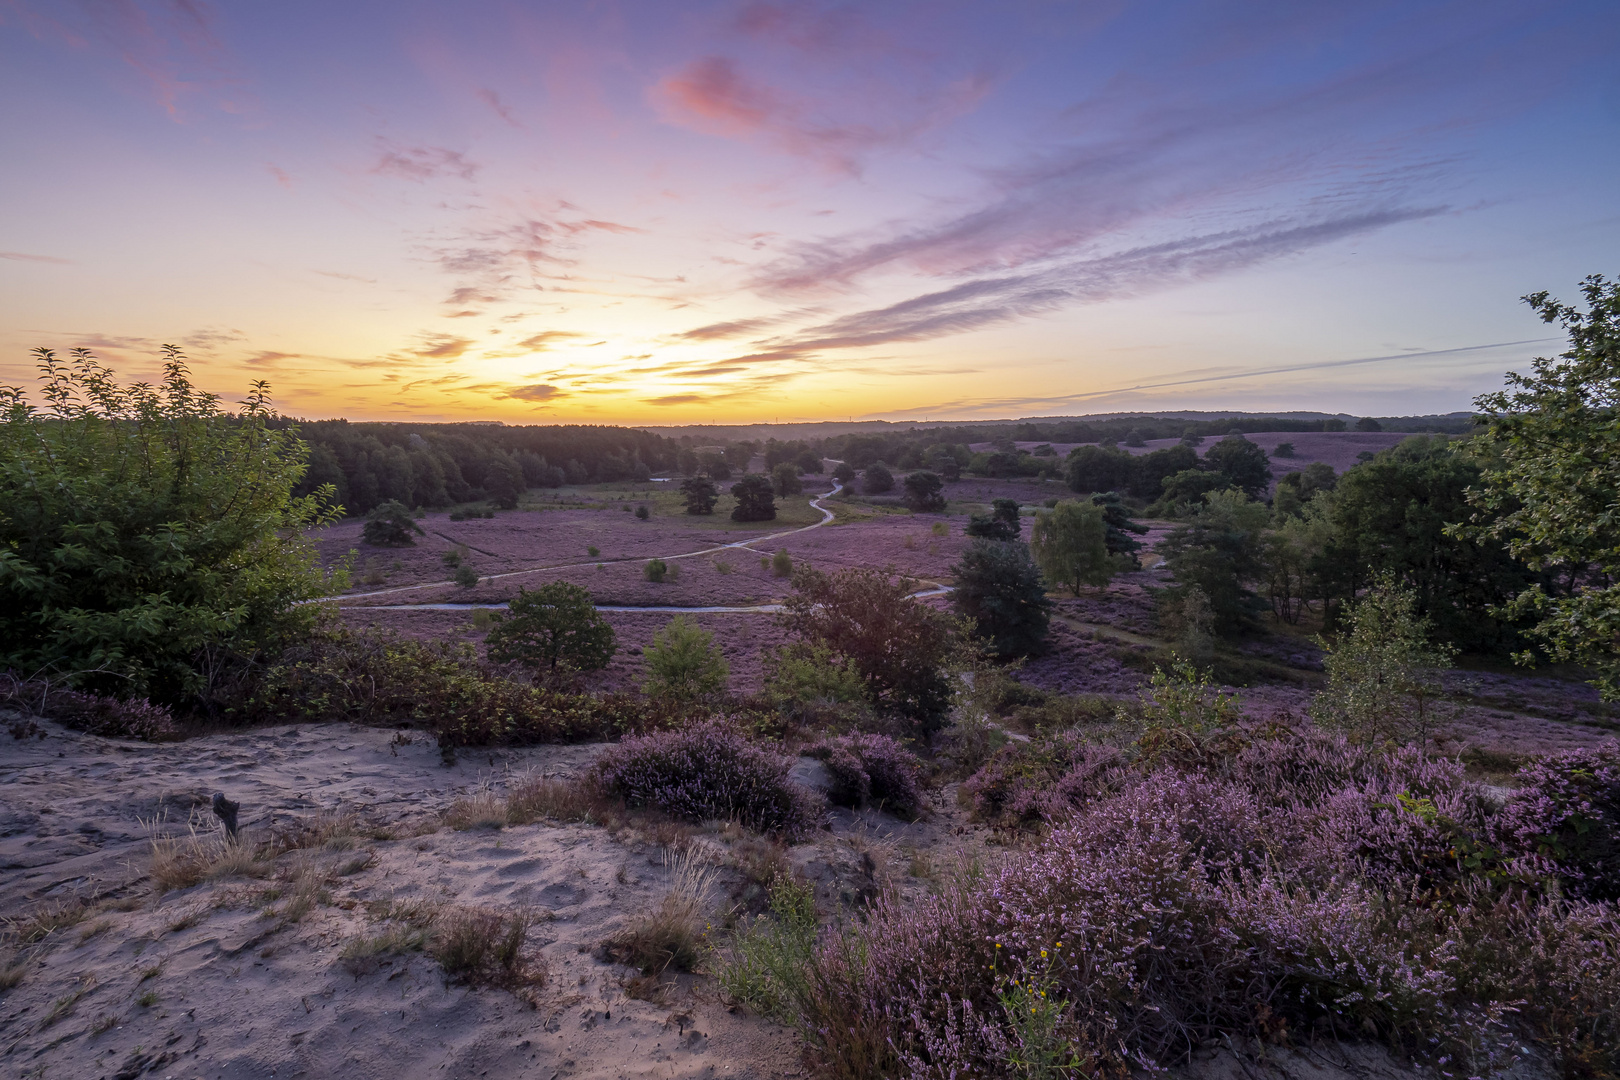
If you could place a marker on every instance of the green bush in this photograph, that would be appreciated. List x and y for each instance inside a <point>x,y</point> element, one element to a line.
<point>683,662</point>
<point>390,525</point>
<point>656,570</point>
<point>553,626</point>
<point>768,968</point>
<point>146,536</point>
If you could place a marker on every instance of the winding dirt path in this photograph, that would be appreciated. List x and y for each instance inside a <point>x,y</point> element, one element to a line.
<point>934,588</point>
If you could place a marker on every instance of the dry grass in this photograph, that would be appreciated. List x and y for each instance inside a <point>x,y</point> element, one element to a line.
<point>63,1006</point>
<point>12,973</point>
<point>46,920</point>
<point>201,853</point>
<point>482,946</point>
<point>532,798</point>
<point>483,809</point>
<point>674,935</point>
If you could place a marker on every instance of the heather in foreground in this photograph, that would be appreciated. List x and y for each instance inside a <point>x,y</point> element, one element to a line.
<point>1294,888</point>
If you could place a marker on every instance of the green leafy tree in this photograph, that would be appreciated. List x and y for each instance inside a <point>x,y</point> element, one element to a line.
<point>785,479</point>
<point>552,627</point>
<point>1220,551</point>
<point>925,493</point>
<point>1120,526</point>
<point>700,494</point>
<point>877,479</point>
<point>843,472</point>
<point>809,461</point>
<point>812,673</point>
<point>683,662</point>
<point>146,536</point>
<point>1552,484</point>
<point>1001,524</point>
<point>390,525</point>
<point>756,499</point>
<point>1394,515</point>
<point>503,482</point>
<point>1297,488</point>
<point>1283,450</point>
<point>1070,543</point>
<point>904,651</point>
<point>1000,588</point>
<point>1098,468</point>
<point>1383,671</point>
<point>1292,550</point>
<point>1244,464</point>
<point>1149,472</point>
<point>1367,423</point>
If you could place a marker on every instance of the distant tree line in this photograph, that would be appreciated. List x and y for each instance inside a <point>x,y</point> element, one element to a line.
<point>436,465</point>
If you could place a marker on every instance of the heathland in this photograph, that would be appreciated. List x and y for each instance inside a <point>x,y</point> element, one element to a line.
<point>1049,749</point>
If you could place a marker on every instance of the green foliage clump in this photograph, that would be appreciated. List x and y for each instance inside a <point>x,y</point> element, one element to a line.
<point>390,525</point>
<point>466,576</point>
<point>769,964</point>
<point>903,650</point>
<point>656,570</point>
<point>809,676</point>
<point>1241,463</point>
<point>877,479</point>
<point>782,563</point>
<point>925,493</point>
<point>1382,673</point>
<point>1070,542</point>
<point>756,499</point>
<point>1000,588</point>
<point>683,662</point>
<point>1002,524</point>
<point>554,626</point>
<point>147,536</point>
<point>785,479</point>
<point>700,495</point>
<point>1552,482</point>
<point>1219,551</point>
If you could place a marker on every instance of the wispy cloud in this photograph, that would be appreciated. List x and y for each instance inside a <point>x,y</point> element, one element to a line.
<point>422,163</point>
<point>20,256</point>
<point>493,100</point>
<point>538,393</point>
<point>987,301</point>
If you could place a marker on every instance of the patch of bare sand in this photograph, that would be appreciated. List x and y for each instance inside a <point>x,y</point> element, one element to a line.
<point>262,970</point>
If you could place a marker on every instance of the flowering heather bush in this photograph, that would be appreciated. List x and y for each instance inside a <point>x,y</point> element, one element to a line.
<point>1566,815</point>
<point>873,769</point>
<point>1025,784</point>
<point>1295,882</point>
<point>704,773</point>
<point>1156,919</point>
<point>90,713</point>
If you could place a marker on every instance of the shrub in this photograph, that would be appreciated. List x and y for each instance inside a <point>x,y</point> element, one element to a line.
<point>785,479</point>
<point>1149,921</point>
<point>655,570</point>
<point>844,472</point>
<point>485,947</point>
<point>1000,588</point>
<point>1002,524</point>
<point>1382,672</point>
<point>1027,784</point>
<point>904,651</point>
<point>552,625</point>
<point>1283,450</point>
<point>770,957</point>
<point>811,674</point>
<point>147,536</point>
<point>700,495</point>
<point>781,563</point>
<point>390,525</point>
<point>925,493</point>
<point>1566,811</point>
<point>1070,542</point>
<point>642,512</point>
<point>877,479</point>
<point>756,499</point>
<point>683,662</point>
<point>876,770</point>
<point>93,714</point>
<point>465,575</point>
<point>704,773</point>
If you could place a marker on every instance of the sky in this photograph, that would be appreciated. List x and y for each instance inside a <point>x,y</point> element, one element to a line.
<point>740,212</point>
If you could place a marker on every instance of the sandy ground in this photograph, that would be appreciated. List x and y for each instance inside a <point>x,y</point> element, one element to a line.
<point>219,981</point>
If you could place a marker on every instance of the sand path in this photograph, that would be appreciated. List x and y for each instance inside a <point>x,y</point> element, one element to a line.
<point>215,981</point>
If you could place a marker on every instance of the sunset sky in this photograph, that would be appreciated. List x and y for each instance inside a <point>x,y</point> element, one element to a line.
<point>736,212</point>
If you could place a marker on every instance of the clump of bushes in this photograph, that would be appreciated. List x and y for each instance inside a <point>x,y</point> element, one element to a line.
<point>94,714</point>
<point>1566,814</point>
<point>704,773</point>
<point>873,770</point>
<point>1352,892</point>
